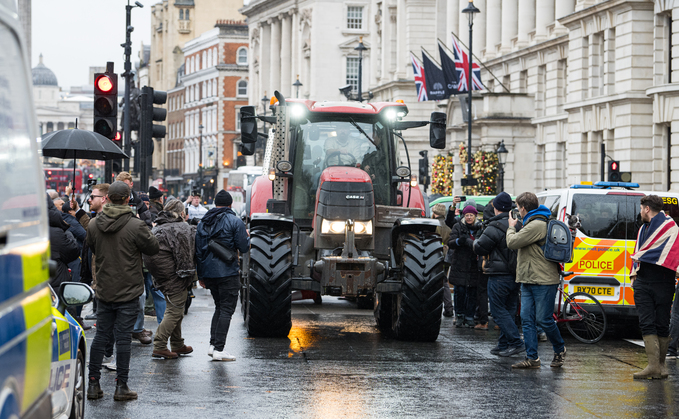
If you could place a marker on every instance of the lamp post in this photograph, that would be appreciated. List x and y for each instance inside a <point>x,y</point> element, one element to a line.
<point>200,159</point>
<point>360,48</point>
<point>470,10</point>
<point>297,85</point>
<point>502,159</point>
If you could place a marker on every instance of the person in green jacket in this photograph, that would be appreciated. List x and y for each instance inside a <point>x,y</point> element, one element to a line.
<point>539,279</point>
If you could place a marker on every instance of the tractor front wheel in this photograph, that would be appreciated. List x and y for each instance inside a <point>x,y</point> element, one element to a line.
<point>268,298</point>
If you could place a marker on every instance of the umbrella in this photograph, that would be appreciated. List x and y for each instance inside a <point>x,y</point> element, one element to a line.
<point>80,144</point>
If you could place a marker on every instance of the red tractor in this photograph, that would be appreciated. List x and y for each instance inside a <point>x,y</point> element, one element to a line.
<point>336,213</point>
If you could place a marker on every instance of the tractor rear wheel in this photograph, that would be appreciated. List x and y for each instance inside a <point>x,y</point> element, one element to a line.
<point>416,309</point>
<point>268,297</point>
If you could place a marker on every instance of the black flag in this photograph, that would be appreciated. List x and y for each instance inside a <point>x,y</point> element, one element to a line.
<point>449,70</point>
<point>436,82</point>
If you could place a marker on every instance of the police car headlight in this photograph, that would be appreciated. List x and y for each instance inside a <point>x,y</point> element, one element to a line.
<point>363,227</point>
<point>332,227</point>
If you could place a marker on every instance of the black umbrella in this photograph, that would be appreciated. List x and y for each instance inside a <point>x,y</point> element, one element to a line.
<point>80,144</point>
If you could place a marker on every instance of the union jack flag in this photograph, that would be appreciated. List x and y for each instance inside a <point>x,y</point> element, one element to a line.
<point>462,66</point>
<point>420,80</point>
<point>657,244</point>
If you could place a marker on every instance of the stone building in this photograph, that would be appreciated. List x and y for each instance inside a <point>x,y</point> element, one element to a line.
<point>212,85</point>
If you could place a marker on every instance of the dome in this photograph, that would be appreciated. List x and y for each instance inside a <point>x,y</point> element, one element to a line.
<point>43,76</point>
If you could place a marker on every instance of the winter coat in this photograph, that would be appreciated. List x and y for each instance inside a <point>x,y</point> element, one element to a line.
<point>155,208</point>
<point>223,225</point>
<point>492,244</point>
<point>142,210</point>
<point>75,228</point>
<point>464,267</point>
<point>531,265</point>
<point>451,218</point>
<point>64,247</point>
<point>118,238</point>
<point>173,267</point>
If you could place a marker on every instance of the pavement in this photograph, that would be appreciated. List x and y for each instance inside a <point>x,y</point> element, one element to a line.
<point>336,363</point>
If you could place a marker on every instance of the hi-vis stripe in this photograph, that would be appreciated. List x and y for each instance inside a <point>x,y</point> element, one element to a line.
<point>598,256</point>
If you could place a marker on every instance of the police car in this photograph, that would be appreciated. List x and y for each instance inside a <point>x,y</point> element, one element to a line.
<point>606,238</point>
<point>67,383</point>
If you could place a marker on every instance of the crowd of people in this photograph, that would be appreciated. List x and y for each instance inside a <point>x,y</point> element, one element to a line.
<point>133,244</point>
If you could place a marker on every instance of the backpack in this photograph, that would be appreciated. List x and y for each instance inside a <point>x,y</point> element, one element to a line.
<point>558,244</point>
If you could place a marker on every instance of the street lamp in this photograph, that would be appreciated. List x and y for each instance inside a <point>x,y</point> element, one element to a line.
<point>502,159</point>
<point>360,48</point>
<point>297,85</point>
<point>200,159</point>
<point>470,10</point>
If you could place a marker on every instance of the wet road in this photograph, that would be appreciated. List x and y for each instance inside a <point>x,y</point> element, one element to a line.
<point>335,363</point>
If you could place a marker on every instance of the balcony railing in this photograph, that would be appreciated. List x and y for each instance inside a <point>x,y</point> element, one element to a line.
<point>184,26</point>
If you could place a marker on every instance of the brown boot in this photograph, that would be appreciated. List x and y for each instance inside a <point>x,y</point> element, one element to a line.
<point>652,350</point>
<point>663,344</point>
<point>184,350</point>
<point>143,338</point>
<point>164,353</point>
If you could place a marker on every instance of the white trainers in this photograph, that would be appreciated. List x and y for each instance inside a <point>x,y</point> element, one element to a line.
<point>222,356</point>
<point>109,362</point>
<point>211,350</point>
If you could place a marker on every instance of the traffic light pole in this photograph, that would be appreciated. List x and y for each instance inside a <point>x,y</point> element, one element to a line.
<point>127,136</point>
<point>144,136</point>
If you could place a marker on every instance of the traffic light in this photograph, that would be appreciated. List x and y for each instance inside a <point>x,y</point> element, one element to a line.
<point>240,160</point>
<point>106,104</point>
<point>118,139</point>
<point>614,173</point>
<point>148,130</point>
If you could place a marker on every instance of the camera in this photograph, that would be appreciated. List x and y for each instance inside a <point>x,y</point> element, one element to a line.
<point>515,214</point>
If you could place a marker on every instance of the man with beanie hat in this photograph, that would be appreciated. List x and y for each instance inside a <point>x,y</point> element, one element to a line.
<point>222,226</point>
<point>118,239</point>
<point>499,263</point>
<point>438,212</point>
<point>155,201</point>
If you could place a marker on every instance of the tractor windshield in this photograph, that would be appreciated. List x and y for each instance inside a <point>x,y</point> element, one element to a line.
<point>346,142</point>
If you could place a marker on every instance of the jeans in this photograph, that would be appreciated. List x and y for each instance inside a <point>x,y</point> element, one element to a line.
<point>482,300</point>
<point>171,325</point>
<point>119,317</point>
<point>139,324</point>
<point>537,307</point>
<point>225,294</point>
<point>158,297</point>
<point>447,296</point>
<point>674,325</point>
<point>503,294</point>
<point>465,302</point>
<point>654,303</point>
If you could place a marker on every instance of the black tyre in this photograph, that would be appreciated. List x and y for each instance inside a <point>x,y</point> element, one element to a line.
<point>585,321</point>
<point>78,402</point>
<point>417,308</point>
<point>382,311</point>
<point>268,298</point>
<point>365,303</point>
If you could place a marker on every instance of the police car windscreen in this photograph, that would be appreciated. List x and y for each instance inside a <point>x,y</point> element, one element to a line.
<point>604,216</point>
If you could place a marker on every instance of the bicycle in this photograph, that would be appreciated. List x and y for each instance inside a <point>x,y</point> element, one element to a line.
<point>585,320</point>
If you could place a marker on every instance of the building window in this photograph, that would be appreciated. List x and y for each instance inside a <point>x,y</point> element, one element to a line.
<point>238,119</point>
<point>352,73</point>
<point>215,57</point>
<point>181,14</point>
<point>242,88</point>
<point>60,126</point>
<point>242,56</point>
<point>186,14</point>
<point>354,17</point>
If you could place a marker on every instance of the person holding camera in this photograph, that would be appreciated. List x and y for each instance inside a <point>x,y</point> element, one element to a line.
<point>219,235</point>
<point>194,209</point>
<point>539,279</point>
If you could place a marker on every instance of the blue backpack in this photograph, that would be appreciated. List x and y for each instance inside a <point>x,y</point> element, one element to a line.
<point>558,245</point>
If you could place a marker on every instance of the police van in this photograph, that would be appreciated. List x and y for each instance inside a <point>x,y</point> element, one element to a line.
<point>28,329</point>
<point>605,241</point>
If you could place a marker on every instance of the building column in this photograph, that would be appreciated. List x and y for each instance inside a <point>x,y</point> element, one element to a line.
<point>295,47</point>
<point>275,55</point>
<point>286,58</point>
<point>562,8</point>
<point>544,16</point>
<point>452,20</point>
<point>402,53</point>
<point>493,27</point>
<point>510,10</point>
<point>479,33</point>
<point>264,60</point>
<point>526,22</point>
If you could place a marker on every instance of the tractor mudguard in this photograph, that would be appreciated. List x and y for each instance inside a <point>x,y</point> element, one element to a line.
<point>275,220</point>
<point>412,225</point>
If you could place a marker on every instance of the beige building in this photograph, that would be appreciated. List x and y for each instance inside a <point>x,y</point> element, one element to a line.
<point>173,24</point>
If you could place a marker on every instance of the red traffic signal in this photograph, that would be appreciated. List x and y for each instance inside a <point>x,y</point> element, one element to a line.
<point>91,176</point>
<point>104,84</point>
<point>614,165</point>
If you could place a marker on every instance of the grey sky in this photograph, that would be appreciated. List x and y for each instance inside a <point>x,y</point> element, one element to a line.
<point>73,35</point>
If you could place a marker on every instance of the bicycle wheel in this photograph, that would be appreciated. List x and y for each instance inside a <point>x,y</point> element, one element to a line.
<point>585,321</point>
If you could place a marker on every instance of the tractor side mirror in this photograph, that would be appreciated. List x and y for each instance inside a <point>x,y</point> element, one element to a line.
<point>247,149</point>
<point>437,130</point>
<point>248,125</point>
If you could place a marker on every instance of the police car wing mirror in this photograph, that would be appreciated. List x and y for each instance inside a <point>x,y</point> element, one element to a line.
<point>73,294</point>
<point>437,130</point>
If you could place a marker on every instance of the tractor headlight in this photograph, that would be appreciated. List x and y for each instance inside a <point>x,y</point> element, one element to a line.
<point>338,227</point>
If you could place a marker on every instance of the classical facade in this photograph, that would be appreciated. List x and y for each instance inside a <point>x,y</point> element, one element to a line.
<point>203,119</point>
